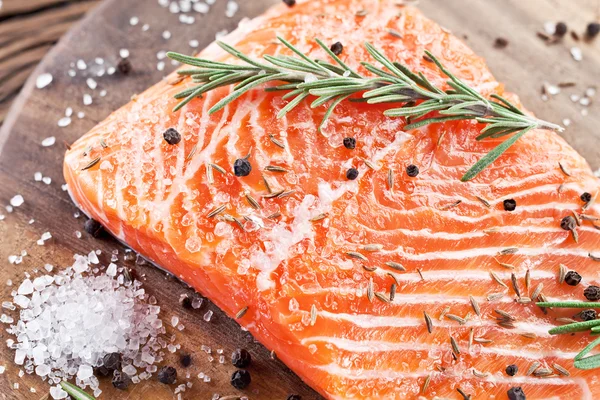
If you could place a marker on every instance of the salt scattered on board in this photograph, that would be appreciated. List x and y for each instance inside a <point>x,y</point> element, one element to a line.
<point>43,80</point>
<point>67,322</point>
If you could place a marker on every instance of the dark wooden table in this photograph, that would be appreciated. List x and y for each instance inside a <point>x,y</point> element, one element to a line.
<point>28,29</point>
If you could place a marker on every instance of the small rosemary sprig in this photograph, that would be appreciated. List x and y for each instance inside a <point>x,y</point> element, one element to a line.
<point>580,361</point>
<point>413,95</point>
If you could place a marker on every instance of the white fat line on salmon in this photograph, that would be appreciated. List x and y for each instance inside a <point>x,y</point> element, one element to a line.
<point>370,346</point>
<point>458,275</point>
<point>402,300</point>
<point>449,216</point>
<point>489,252</point>
<point>387,375</point>
<point>538,327</point>
<point>512,229</point>
<point>549,189</point>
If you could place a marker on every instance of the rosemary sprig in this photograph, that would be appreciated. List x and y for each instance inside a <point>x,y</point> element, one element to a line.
<point>593,326</point>
<point>413,95</point>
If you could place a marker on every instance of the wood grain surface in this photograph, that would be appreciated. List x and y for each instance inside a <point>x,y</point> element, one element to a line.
<point>28,29</point>
<point>524,65</point>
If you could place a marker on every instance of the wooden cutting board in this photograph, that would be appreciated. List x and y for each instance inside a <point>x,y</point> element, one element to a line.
<point>523,65</point>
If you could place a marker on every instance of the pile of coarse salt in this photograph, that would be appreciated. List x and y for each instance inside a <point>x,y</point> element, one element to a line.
<point>70,320</point>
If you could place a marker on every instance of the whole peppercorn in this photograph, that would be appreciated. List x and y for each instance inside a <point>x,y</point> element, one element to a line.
<point>337,48</point>
<point>124,66</point>
<point>516,393</point>
<point>186,302</point>
<point>593,29</point>
<point>509,204</point>
<point>289,3</point>
<point>93,227</point>
<point>350,143</point>
<point>185,360</point>
<point>241,358</point>
<point>412,170</point>
<point>560,29</point>
<point>240,379</point>
<point>171,136</point>
<point>585,197</point>
<point>592,293</point>
<point>112,361</point>
<point>512,370</point>
<point>500,43</point>
<point>352,174</point>
<point>588,315</point>
<point>568,223</point>
<point>120,380</point>
<point>294,397</point>
<point>167,375</point>
<point>242,167</point>
<point>572,278</point>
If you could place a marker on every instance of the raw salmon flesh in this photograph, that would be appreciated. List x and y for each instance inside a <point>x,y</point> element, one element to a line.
<point>316,265</point>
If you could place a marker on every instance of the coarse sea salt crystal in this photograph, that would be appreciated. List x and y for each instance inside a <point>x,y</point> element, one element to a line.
<point>87,99</point>
<point>194,43</point>
<point>133,21</point>
<point>576,53</point>
<point>25,288</point>
<point>43,80</point>
<point>81,65</point>
<point>166,35</point>
<point>201,7</point>
<point>47,180</point>
<point>37,177</point>
<point>58,393</point>
<point>68,111</point>
<point>232,8</point>
<point>17,201</point>
<point>64,121</point>
<point>124,53</point>
<point>92,84</point>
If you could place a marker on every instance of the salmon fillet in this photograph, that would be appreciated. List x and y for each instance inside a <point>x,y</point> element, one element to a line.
<point>292,260</point>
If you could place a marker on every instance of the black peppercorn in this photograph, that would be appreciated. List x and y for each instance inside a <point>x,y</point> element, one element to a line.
<point>242,167</point>
<point>586,197</point>
<point>337,48</point>
<point>124,66</point>
<point>572,278</point>
<point>350,143</point>
<point>93,227</point>
<point>516,393</point>
<point>186,302</point>
<point>185,360</point>
<point>120,380</point>
<point>352,174</point>
<point>412,170</point>
<point>240,379</point>
<point>512,370</point>
<point>509,204</point>
<point>588,315</point>
<point>241,358</point>
<point>592,293</point>
<point>112,361</point>
<point>294,397</point>
<point>101,371</point>
<point>167,375</point>
<point>568,223</point>
<point>593,29</point>
<point>560,29</point>
<point>289,3</point>
<point>500,43</point>
<point>172,136</point>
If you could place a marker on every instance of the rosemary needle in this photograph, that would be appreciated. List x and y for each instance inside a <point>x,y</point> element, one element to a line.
<point>413,96</point>
<point>75,392</point>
